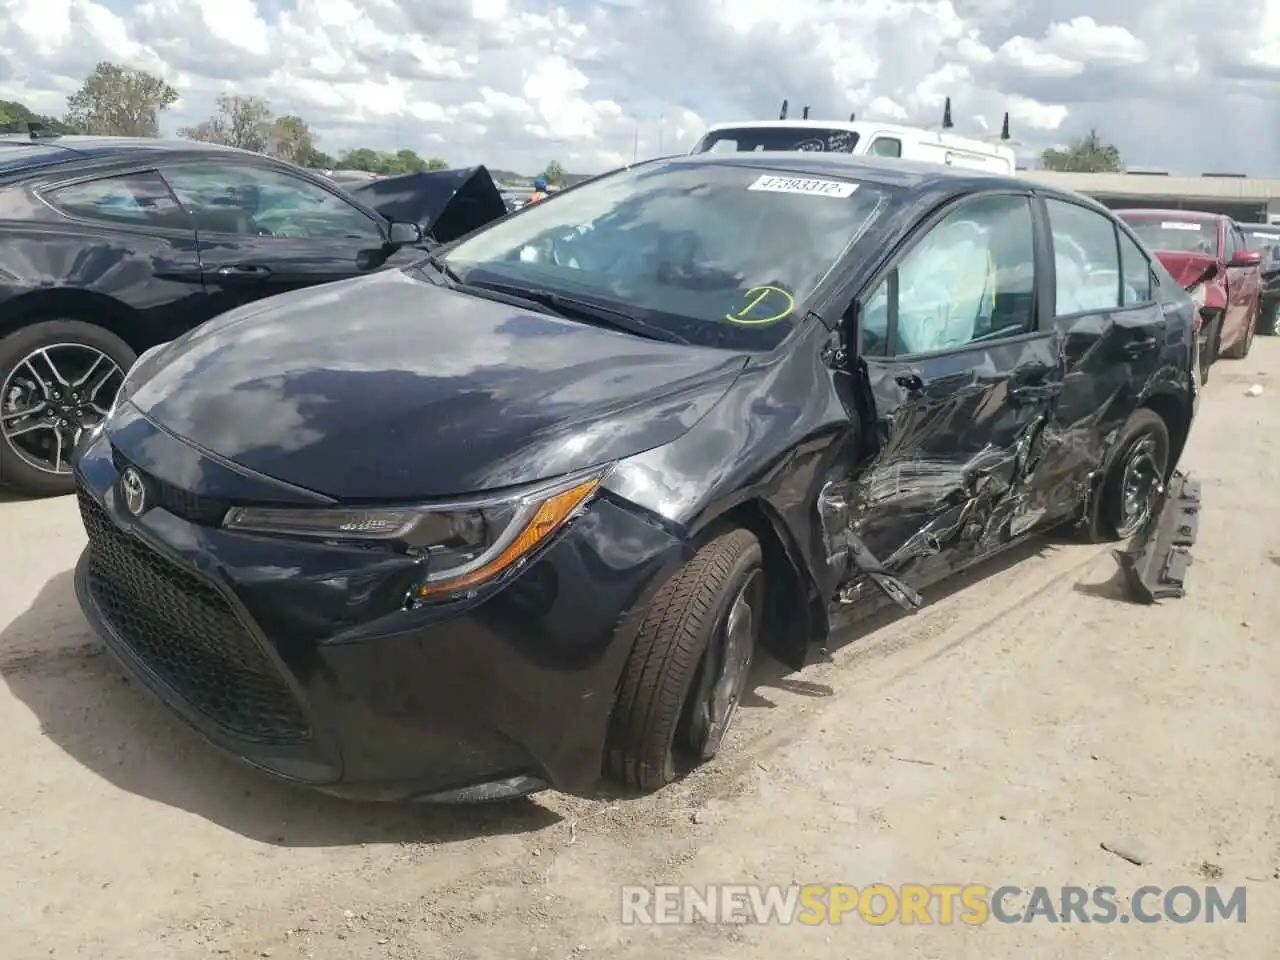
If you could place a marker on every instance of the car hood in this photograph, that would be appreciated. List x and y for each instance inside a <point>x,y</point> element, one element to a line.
<point>1185,267</point>
<point>447,204</point>
<point>388,387</point>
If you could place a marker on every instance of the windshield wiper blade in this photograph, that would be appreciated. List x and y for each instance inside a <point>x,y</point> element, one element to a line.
<point>442,268</point>
<point>573,308</point>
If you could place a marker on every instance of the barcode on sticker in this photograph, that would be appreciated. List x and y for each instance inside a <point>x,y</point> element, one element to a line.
<point>1179,225</point>
<point>818,188</point>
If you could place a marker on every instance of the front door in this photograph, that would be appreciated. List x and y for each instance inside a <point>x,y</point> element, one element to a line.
<point>263,231</point>
<point>960,380</point>
<point>1238,283</point>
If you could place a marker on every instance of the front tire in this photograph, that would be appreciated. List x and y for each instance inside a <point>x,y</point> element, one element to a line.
<point>1135,479</point>
<point>690,663</point>
<point>1241,350</point>
<point>1267,321</point>
<point>57,378</point>
<point>1209,350</point>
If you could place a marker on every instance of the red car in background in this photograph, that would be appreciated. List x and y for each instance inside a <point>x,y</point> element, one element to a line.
<point>1207,253</point>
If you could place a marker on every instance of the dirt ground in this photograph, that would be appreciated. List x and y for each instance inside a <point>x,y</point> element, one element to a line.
<point>1000,736</point>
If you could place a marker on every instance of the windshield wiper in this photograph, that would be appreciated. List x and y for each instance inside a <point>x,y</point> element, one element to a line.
<point>573,308</point>
<point>442,268</point>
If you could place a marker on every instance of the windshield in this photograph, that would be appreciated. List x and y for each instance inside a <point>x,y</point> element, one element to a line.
<point>720,256</point>
<point>1176,236</point>
<point>781,139</point>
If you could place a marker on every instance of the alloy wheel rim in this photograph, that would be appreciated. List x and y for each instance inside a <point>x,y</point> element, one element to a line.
<point>1140,485</point>
<point>727,668</point>
<point>51,397</point>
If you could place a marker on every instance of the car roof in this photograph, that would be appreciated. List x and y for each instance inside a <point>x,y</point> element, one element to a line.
<point>880,171</point>
<point>19,152</point>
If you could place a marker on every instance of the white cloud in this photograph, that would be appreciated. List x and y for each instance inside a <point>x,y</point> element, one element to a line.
<point>517,83</point>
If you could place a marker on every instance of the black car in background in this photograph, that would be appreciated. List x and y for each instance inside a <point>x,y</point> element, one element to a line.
<point>1265,239</point>
<point>533,506</point>
<point>109,246</point>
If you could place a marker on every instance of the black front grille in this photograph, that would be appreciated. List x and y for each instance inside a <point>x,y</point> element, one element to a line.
<point>187,632</point>
<point>181,503</point>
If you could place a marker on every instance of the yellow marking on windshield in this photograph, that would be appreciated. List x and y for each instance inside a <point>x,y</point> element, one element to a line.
<point>757,296</point>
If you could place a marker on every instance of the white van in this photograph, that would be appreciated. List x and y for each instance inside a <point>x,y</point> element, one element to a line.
<point>863,138</point>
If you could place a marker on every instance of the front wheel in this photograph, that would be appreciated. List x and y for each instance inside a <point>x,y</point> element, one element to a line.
<point>57,379</point>
<point>1267,319</point>
<point>1135,480</point>
<point>690,664</point>
<point>1241,350</point>
<point>1209,339</point>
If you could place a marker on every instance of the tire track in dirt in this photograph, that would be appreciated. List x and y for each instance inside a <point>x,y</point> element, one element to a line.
<point>497,908</point>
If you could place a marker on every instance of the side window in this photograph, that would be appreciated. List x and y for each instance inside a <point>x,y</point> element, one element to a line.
<point>254,201</point>
<point>971,278</point>
<point>1239,239</point>
<point>142,199</point>
<point>1135,271</point>
<point>1085,258</point>
<point>885,147</point>
<point>1229,245</point>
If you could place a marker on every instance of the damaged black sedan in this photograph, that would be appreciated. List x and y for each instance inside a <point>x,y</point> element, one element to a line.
<point>532,506</point>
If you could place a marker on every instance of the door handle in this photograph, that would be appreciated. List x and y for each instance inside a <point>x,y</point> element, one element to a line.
<point>246,271</point>
<point>909,381</point>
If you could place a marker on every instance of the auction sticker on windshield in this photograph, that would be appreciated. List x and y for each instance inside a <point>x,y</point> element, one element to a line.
<point>820,188</point>
<point>1179,225</point>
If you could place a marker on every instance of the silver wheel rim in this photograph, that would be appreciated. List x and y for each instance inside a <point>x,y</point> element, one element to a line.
<point>50,397</point>
<point>1140,485</point>
<point>726,669</point>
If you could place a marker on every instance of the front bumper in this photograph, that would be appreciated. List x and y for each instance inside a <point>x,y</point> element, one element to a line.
<point>301,658</point>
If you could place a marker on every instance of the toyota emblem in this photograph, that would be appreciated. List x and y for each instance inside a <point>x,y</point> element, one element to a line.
<point>134,490</point>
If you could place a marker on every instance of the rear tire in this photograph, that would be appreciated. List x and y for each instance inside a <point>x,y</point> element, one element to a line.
<point>19,389</point>
<point>1133,482</point>
<point>680,648</point>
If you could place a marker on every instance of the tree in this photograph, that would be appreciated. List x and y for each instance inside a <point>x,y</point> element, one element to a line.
<point>1087,154</point>
<point>243,122</point>
<point>19,115</point>
<point>119,101</point>
<point>554,173</point>
<point>389,164</point>
<point>291,139</point>
<point>248,123</point>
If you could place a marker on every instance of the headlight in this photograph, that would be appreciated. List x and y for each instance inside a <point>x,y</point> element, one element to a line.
<point>466,543</point>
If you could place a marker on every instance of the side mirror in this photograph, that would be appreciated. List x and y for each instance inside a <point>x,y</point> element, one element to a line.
<point>1206,275</point>
<point>1245,258</point>
<point>401,233</point>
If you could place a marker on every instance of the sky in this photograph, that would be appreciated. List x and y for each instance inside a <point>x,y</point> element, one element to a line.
<point>1185,85</point>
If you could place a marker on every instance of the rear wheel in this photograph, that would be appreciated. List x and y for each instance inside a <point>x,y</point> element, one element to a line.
<point>1134,481</point>
<point>57,379</point>
<point>690,664</point>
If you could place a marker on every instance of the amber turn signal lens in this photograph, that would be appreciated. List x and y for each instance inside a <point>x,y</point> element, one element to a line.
<point>551,515</point>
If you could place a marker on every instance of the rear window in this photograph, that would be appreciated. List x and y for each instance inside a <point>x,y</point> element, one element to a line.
<point>751,139</point>
<point>1176,235</point>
